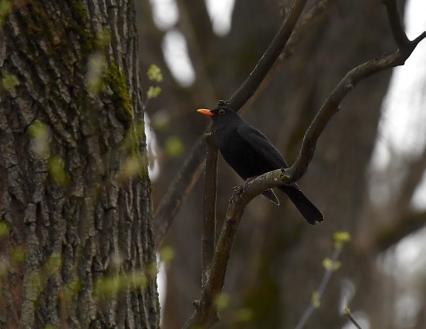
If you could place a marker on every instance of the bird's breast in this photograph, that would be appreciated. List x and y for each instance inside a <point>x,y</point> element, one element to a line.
<point>238,154</point>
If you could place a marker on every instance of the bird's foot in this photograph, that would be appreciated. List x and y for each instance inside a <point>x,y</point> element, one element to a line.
<point>247,182</point>
<point>238,189</point>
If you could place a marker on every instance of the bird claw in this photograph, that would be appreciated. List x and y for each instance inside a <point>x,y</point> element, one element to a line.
<point>237,189</point>
<point>249,180</point>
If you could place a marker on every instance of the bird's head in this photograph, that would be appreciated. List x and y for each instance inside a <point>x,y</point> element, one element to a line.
<point>221,113</point>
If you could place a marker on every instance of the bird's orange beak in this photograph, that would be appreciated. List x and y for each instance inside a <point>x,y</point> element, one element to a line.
<point>206,112</point>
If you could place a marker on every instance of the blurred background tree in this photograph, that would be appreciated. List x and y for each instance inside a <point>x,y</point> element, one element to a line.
<point>277,259</point>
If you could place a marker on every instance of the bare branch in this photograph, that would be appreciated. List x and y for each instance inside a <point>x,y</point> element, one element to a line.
<point>249,86</point>
<point>179,188</point>
<point>406,224</point>
<point>318,294</point>
<point>209,207</point>
<point>205,310</point>
<point>305,26</point>
<point>350,317</point>
<point>395,23</point>
<point>414,173</point>
<point>331,104</point>
<point>308,20</point>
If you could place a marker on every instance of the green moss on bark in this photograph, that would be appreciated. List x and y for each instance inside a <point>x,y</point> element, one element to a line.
<point>116,80</point>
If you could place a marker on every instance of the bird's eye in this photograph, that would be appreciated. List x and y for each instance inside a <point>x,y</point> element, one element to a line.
<point>221,112</point>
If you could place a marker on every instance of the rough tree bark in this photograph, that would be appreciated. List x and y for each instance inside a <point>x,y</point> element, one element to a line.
<point>78,248</point>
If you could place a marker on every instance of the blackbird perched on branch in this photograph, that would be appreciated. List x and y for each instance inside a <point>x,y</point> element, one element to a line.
<point>251,154</point>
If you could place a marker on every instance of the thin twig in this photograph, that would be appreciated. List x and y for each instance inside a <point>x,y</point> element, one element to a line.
<point>179,188</point>
<point>321,290</point>
<point>331,104</point>
<point>405,224</point>
<point>209,207</point>
<point>351,318</point>
<point>250,85</point>
<point>309,19</point>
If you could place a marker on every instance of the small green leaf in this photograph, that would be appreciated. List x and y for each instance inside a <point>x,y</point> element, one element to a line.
<point>167,254</point>
<point>95,69</point>
<point>222,301</point>
<point>154,73</point>
<point>340,238</point>
<point>71,290</point>
<point>327,263</point>
<point>330,265</point>
<point>53,264</point>
<point>347,310</point>
<point>57,170</point>
<point>9,82</point>
<point>39,134</point>
<point>103,38</point>
<point>316,299</point>
<point>17,255</point>
<point>5,9</point>
<point>132,166</point>
<point>108,287</point>
<point>244,315</point>
<point>153,92</point>
<point>37,129</point>
<point>174,146</point>
<point>4,229</point>
<point>138,281</point>
<point>49,326</point>
<point>161,120</point>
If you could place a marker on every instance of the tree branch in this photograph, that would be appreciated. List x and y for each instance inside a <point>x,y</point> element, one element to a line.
<point>209,207</point>
<point>350,317</point>
<point>179,188</point>
<point>249,86</point>
<point>331,104</point>
<point>395,23</point>
<point>319,293</point>
<point>407,224</point>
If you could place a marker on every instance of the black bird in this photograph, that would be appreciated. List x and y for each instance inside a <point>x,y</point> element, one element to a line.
<point>250,154</point>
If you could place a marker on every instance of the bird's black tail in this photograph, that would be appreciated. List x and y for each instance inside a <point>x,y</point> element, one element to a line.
<point>302,203</point>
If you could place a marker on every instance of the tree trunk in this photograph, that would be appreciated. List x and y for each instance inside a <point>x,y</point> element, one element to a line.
<point>75,210</point>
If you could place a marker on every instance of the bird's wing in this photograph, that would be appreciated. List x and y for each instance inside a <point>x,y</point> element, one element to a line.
<point>261,145</point>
